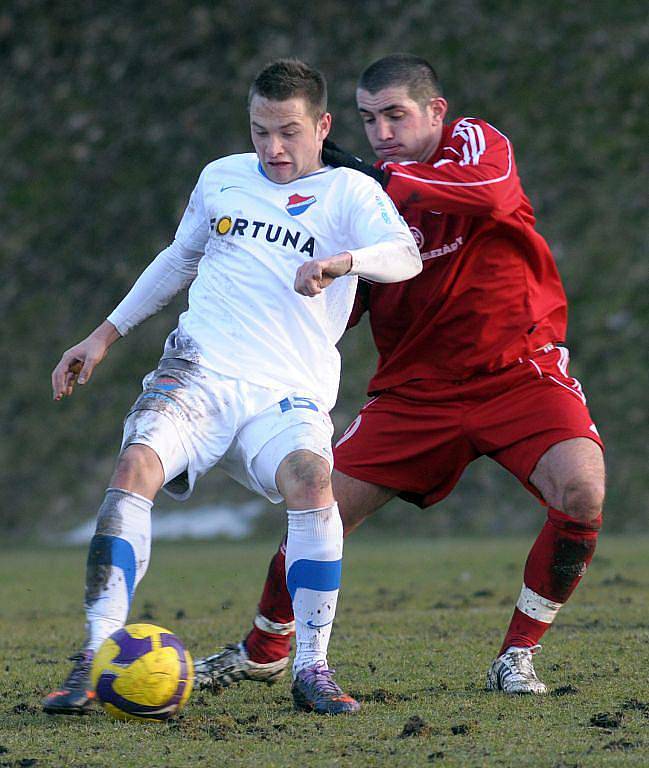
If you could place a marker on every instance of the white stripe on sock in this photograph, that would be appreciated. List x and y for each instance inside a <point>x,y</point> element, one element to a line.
<point>274,627</point>
<point>537,607</point>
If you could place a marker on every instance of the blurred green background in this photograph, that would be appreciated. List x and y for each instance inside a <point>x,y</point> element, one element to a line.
<point>108,112</point>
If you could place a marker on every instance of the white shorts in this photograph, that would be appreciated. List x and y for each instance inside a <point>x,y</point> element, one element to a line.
<point>194,419</point>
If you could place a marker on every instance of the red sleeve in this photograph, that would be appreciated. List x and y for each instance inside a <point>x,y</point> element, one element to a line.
<point>474,173</point>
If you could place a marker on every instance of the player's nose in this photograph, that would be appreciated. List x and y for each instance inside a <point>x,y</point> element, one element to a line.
<point>274,146</point>
<point>383,130</point>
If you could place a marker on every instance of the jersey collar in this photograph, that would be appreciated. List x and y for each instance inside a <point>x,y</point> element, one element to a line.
<point>261,170</point>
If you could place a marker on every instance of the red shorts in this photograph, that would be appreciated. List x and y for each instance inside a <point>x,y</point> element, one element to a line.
<point>420,436</point>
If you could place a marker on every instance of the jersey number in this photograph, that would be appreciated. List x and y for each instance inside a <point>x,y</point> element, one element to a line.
<point>297,402</point>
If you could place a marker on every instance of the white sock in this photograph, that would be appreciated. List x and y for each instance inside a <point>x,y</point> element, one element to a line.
<point>314,549</point>
<point>117,560</point>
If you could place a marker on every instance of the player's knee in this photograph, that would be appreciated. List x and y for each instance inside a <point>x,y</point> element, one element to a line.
<point>138,469</point>
<point>583,500</point>
<point>303,479</point>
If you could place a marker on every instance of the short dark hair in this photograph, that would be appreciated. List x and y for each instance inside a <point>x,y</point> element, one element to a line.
<point>418,76</point>
<point>290,78</point>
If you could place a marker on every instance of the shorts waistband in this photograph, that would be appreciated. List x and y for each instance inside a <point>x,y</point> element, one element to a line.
<point>178,363</point>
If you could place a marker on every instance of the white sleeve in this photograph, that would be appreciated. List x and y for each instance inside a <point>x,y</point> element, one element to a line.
<point>194,228</point>
<point>388,262</point>
<point>383,248</point>
<point>172,270</point>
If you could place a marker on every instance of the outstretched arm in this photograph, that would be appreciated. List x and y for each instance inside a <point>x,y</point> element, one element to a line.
<point>171,271</point>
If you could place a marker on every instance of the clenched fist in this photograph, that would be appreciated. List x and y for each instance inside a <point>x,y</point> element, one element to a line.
<point>314,276</point>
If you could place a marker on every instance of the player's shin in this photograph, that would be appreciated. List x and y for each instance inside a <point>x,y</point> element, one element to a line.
<point>117,559</point>
<point>270,637</point>
<point>313,567</point>
<point>555,566</point>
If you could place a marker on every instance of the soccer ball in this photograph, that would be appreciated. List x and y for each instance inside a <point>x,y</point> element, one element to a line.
<point>142,672</point>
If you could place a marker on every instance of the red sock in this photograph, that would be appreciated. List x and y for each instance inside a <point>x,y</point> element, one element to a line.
<point>275,607</point>
<point>555,565</point>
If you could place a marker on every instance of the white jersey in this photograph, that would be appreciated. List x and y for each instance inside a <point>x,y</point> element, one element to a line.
<point>244,318</point>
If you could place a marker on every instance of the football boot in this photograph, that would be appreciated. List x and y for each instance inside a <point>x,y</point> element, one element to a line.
<point>513,672</point>
<point>232,665</point>
<point>76,695</point>
<point>315,690</point>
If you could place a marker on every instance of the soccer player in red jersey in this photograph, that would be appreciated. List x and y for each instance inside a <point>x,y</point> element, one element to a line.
<point>471,363</point>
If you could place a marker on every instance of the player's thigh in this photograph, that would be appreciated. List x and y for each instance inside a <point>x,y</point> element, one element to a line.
<point>401,444</point>
<point>297,428</point>
<point>570,477</point>
<point>187,416</point>
<point>150,444</point>
<point>540,429</point>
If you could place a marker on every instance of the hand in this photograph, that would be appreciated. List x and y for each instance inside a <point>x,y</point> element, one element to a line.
<point>333,155</point>
<point>78,362</point>
<point>314,276</point>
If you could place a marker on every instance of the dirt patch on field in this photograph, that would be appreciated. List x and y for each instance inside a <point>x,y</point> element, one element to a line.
<point>607,719</point>
<point>25,709</point>
<point>415,726</point>
<point>565,690</point>
<point>383,696</point>
<point>636,706</point>
<point>621,746</point>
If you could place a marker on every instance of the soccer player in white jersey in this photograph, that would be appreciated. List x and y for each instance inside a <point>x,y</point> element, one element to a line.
<point>272,243</point>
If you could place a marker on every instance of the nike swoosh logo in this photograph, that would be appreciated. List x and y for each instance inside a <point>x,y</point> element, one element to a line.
<point>232,186</point>
<point>318,626</point>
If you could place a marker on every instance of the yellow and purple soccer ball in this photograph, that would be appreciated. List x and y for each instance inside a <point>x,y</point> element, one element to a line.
<point>142,672</point>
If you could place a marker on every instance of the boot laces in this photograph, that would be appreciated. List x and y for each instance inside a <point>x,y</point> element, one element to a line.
<point>520,661</point>
<point>321,678</point>
<point>79,673</point>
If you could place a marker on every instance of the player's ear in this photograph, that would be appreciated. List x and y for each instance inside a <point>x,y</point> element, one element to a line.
<point>437,108</point>
<point>324,126</point>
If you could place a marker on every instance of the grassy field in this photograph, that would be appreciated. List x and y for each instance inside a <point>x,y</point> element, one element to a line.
<point>418,624</point>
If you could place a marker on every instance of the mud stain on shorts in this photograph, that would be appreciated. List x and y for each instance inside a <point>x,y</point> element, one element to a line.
<point>181,346</point>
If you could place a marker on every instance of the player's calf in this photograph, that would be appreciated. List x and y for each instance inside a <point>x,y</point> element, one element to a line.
<point>555,565</point>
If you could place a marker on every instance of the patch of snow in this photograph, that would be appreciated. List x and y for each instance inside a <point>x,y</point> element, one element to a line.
<point>204,522</point>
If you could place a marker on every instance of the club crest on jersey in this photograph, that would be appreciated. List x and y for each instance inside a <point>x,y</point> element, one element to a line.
<point>167,383</point>
<point>418,235</point>
<point>298,204</point>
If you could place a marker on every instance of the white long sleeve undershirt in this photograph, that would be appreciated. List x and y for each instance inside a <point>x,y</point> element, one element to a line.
<point>172,270</point>
<point>176,266</point>
<point>388,262</point>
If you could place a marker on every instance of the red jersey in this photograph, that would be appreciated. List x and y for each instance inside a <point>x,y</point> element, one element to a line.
<point>489,291</point>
